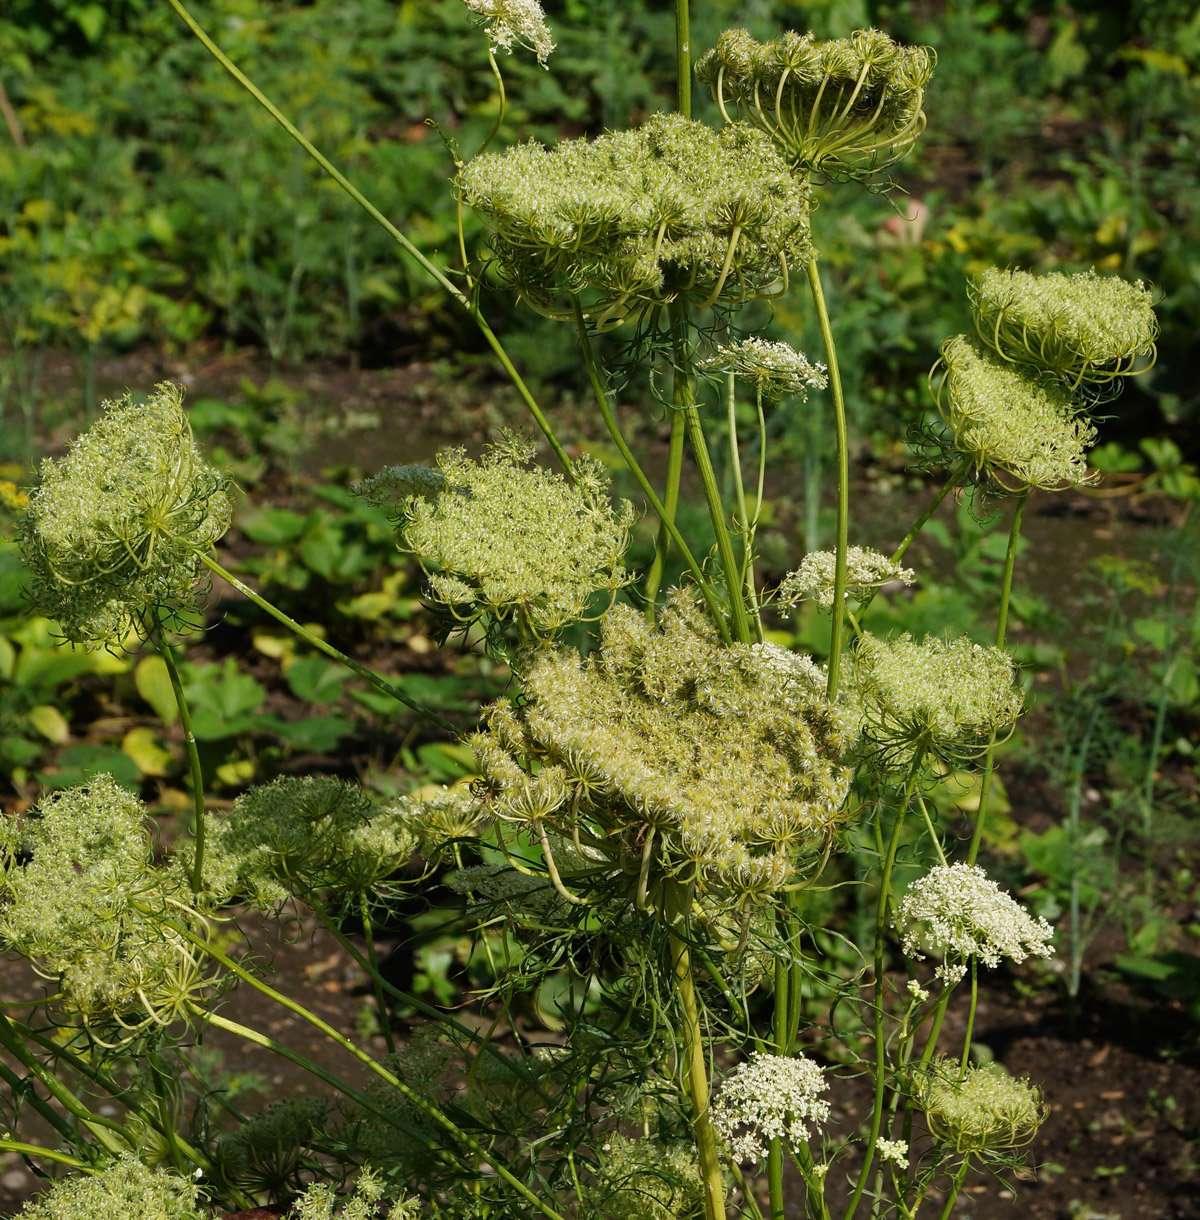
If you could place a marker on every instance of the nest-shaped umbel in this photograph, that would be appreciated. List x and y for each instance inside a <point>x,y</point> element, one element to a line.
<point>845,108</point>
<point>667,753</point>
<point>640,218</point>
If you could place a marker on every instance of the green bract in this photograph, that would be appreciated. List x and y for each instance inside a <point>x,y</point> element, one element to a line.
<point>112,532</point>
<point>639,218</point>
<point>939,697</point>
<point>680,752</point>
<point>983,1109</point>
<point>1082,328</point>
<point>126,1190</point>
<point>844,108</point>
<point>518,542</point>
<point>1024,431</point>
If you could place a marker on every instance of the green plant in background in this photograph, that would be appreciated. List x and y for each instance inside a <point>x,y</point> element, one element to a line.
<point>647,811</point>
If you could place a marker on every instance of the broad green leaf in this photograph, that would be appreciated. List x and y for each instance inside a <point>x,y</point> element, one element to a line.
<point>50,722</point>
<point>143,746</point>
<point>153,682</point>
<point>316,680</point>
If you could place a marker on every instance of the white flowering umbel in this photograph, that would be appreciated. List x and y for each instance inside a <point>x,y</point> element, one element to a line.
<point>126,1190</point>
<point>866,569</point>
<point>113,530</point>
<point>768,1097</point>
<point>844,108</point>
<point>1082,328</point>
<point>776,370</point>
<point>1025,431</point>
<point>677,753</point>
<point>321,1201</point>
<point>512,23</point>
<point>640,218</point>
<point>957,912</point>
<point>517,542</point>
<point>983,1109</point>
<point>942,698</point>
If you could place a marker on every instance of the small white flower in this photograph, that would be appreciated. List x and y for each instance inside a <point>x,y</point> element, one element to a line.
<point>893,1150</point>
<point>917,992</point>
<point>515,22</point>
<point>776,369</point>
<point>865,569</point>
<point>950,973</point>
<point>957,912</point>
<point>768,1097</point>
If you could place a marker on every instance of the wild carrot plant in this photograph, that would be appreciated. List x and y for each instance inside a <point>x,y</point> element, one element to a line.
<point>650,814</point>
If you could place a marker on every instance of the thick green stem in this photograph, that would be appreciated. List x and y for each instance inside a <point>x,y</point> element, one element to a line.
<point>670,506</point>
<point>683,59</point>
<point>368,675</point>
<point>989,758</point>
<point>955,1188</point>
<point>843,477</point>
<point>601,396</point>
<point>966,1051</point>
<point>405,244</point>
<point>46,1154</point>
<point>193,754</point>
<point>782,1035</point>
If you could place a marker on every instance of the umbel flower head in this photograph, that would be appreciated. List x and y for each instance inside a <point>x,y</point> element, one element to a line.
<point>865,569</point>
<point>640,1179</point>
<point>113,531</point>
<point>768,1097</point>
<point>682,754</point>
<point>1025,431</point>
<point>512,23</point>
<point>126,1190</point>
<point>776,370</point>
<point>942,698</point>
<point>983,1109</point>
<point>844,108</point>
<point>77,880</point>
<point>957,912</point>
<point>517,542</point>
<point>639,218</point>
<point>1082,328</point>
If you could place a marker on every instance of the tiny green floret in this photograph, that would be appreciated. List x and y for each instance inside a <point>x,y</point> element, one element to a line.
<point>126,1190</point>
<point>776,370</point>
<point>983,1109</point>
<point>845,108</point>
<point>1082,327</point>
<point>1024,431</point>
<point>517,542</point>
<point>942,698</point>
<point>113,532</point>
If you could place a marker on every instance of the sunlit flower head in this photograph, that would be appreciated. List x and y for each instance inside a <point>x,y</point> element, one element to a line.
<point>866,569</point>
<point>776,370</point>
<point>512,23</point>
<point>981,1109</point>
<point>766,1098</point>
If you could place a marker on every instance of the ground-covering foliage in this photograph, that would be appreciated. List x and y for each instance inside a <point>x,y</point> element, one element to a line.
<point>707,878</point>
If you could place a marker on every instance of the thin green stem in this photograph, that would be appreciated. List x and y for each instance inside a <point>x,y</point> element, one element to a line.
<point>381,1009</point>
<point>368,675</point>
<point>601,396</point>
<point>46,1154</point>
<point>683,59</point>
<point>781,1031</point>
<point>843,478</point>
<point>405,244</point>
<point>670,506</point>
<point>20,1088</point>
<point>503,110</point>
<point>966,1051</point>
<point>193,754</point>
<point>955,1188</point>
<point>989,758</point>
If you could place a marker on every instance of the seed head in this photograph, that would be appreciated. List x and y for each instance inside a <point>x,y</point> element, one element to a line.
<point>774,369</point>
<point>1082,328</point>
<point>768,1097</point>
<point>512,23</point>
<point>518,542</point>
<point>983,1109</point>
<point>114,529</point>
<point>845,108</point>
<point>957,912</point>
<point>865,569</point>
<point>939,697</point>
<point>1027,432</point>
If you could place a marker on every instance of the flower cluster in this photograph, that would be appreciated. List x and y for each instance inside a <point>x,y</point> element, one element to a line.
<point>865,569</point>
<point>981,1109</point>
<point>939,697</point>
<point>769,1097</point>
<point>126,1190</point>
<point>643,1180</point>
<point>112,532</point>
<point>665,741</point>
<point>1029,432</point>
<point>957,911</point>
<point>264,1153</point>
<point>321,1201</point>
<point>639,218</point>
<point>776,370</point>
<point>895,1151</point>
<point>1082,328</point>
<point>844,108</point>
<point>517,542</point>
<point>512,23</point>
<point>110,947</point>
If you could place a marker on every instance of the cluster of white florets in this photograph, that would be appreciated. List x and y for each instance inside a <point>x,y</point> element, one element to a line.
<point>866,569</point>
<point>512,23</point>
<point>638,218</point>
<point>125,1190</point>
<point>776,370</point>
<point>766,1098</point>
<point>845,107</point>
<point>957,912</point>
